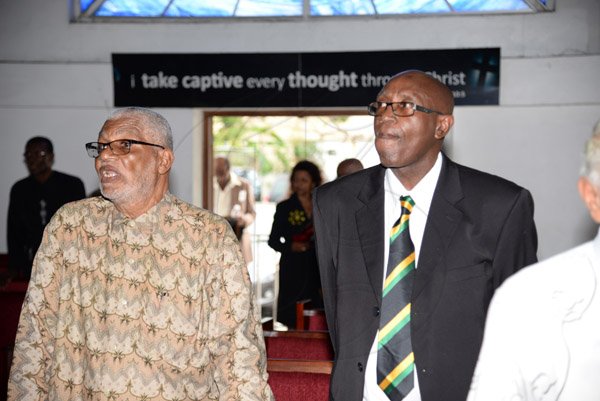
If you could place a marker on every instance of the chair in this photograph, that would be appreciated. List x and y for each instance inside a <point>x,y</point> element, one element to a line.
<point>299,380</point>
<point>308,318</point>
<point>293,344</point>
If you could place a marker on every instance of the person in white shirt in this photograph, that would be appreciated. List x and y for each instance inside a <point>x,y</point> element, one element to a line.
<point>542,336</point>
<point>233,199</point>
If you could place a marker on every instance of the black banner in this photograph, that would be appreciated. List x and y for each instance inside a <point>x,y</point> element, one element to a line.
<point>296,79</point>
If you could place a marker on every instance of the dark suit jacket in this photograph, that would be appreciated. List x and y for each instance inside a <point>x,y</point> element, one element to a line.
<point>479,231</point>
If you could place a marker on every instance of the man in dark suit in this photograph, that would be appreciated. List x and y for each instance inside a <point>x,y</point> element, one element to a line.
<point>470,231</point>
<point>33,202</point>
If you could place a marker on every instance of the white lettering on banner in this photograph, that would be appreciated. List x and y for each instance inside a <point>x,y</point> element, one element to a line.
<point>331,82</point>
<point>373,81</point>
<point>213,81</point>
<point>265,83</point>
<point>295,80</point>
<point>160,81</point>
<point>450,78</point>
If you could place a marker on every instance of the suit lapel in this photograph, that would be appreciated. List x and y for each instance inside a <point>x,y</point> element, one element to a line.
<point>369,223</point>
<point>443,219</point>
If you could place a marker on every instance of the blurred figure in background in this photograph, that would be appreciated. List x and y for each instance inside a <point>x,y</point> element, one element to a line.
<point>33,201</point>
<point>234,200</point>
<point>292,235</point>
<point>348,166</point>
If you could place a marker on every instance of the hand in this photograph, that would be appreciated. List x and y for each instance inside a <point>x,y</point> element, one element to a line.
<point>298,246</point>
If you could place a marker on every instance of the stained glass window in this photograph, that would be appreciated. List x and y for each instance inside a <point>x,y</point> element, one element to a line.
<point>298,8</point>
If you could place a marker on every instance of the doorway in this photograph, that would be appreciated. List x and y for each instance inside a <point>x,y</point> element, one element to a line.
<point>263,148</point>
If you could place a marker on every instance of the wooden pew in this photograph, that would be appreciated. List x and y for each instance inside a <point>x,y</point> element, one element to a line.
<point>308,318</point>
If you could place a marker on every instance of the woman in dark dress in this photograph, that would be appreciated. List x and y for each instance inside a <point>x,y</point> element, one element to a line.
<point>292,235</point>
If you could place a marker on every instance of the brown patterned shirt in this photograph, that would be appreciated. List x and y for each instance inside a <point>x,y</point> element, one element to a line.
<point>154,308</point>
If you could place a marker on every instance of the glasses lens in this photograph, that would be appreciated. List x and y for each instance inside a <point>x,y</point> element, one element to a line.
<point>31,155</point>
<point>403,109</point>
<point>93,149</point>
<point>373,108</point>
<point>120,147</point>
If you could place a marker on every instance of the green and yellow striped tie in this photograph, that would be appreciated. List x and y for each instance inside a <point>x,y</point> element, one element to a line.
<point>395,360</point>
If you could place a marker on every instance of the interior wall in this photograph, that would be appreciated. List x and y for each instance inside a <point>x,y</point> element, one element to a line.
<point>57,81</point>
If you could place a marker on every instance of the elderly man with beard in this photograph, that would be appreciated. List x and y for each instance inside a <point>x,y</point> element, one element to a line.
<point>138,294</point>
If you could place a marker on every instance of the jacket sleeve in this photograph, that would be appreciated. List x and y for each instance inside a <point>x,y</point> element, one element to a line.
<point>15,235</point>
<point>517,245</point>
<point>279,230</point>
<point>250,213</point>
<point>326,266</point>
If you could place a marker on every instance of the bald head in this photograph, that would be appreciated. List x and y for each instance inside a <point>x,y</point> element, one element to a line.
<point>439,95</point>
<point>348,166</point>
<point>222,166</point>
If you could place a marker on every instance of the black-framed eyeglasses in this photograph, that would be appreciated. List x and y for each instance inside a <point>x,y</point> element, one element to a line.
<point>32,154</point>
<point>400,109</point>
<point>119,147</point>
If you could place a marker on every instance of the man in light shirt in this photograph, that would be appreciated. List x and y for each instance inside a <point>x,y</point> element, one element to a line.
<point>233,199</point>
<point>542,335</point>
<point>138,294</point>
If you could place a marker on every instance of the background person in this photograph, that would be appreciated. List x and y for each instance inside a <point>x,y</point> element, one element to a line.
<point>292,234</point>
<point>542,335</point>
<point>33,202</point>
<point>137,294</point>
<point>233,199</point>
<point>470,231</point>
<point>348,166</point>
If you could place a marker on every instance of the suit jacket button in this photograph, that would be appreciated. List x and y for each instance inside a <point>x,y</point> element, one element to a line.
<point>376,311</point>
<point>360,367</point>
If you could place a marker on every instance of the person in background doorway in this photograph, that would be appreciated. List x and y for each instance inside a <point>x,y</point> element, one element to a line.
<point>349,166</point>
<point>233,199</point>
<point>292,234</point>
<point>33,202</point>
<point>542,335</point>
<point>411,329</point>
<point>138,295</point>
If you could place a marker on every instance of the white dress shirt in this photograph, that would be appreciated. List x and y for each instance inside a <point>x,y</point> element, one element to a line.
<point>422,194</point>
<point>222,201</point>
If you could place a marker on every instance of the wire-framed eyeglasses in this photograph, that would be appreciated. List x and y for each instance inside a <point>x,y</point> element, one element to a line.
<point>400,109</point>
<point>119,147</point>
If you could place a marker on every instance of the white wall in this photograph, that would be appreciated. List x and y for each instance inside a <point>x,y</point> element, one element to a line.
<point>56,81</point>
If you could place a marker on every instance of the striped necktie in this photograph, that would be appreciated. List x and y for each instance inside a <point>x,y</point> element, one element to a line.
<point>395,360</point>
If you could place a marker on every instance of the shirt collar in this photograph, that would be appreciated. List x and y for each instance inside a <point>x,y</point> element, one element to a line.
<point>234,180</point>
<point>145,222</point>
<point>422,193</point>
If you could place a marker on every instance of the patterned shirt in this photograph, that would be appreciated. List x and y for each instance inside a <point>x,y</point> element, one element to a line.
<point>159,307</point>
